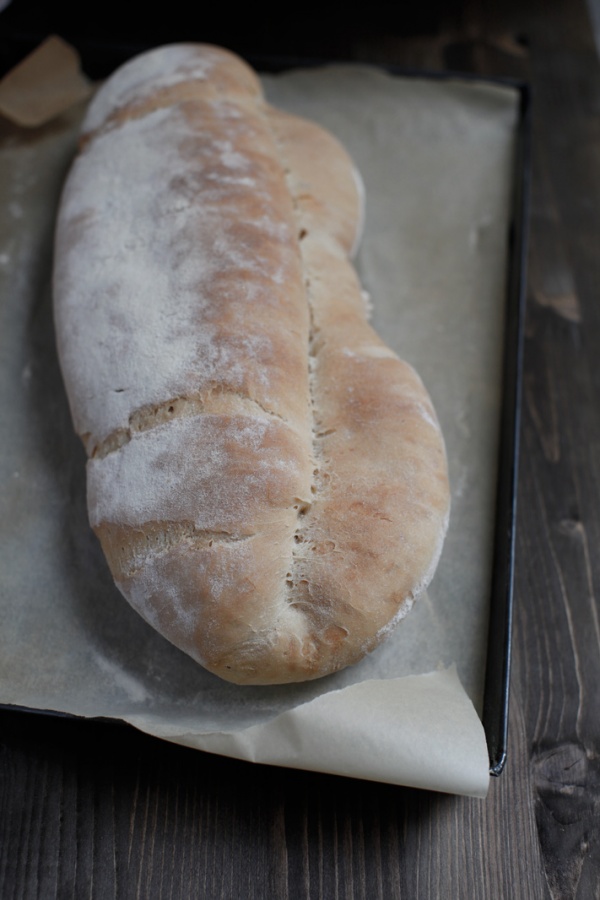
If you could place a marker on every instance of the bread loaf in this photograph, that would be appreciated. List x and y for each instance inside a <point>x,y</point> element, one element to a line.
<point>266,477</point>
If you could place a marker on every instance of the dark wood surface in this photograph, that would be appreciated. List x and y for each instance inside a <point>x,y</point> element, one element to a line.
<point>90,810</point>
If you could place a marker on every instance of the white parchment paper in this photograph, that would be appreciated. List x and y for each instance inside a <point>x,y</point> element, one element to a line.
<point>437,160</point>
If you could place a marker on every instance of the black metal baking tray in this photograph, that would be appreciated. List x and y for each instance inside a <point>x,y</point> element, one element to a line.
<point>497,680</point>
<point>99,59</point>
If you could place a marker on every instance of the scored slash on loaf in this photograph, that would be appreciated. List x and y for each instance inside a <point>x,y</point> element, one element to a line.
<point>267,479</point>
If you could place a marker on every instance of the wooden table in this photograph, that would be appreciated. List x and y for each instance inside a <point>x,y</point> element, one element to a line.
<point>93,810</point>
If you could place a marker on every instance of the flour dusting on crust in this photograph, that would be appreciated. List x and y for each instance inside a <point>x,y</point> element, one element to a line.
<point>267,478</point>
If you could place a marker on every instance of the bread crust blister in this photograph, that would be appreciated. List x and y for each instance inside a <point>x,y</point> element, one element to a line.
<point>267,479</point>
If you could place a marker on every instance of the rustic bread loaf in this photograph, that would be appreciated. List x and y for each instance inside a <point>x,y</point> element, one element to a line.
<point>267,479</point>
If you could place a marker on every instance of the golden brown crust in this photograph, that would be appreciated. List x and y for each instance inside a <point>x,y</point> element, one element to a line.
<point>327,199</point>
<point>267,479</point>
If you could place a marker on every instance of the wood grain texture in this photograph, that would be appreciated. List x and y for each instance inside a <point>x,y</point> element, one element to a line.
<point>92,810</point>
<point>558,567</point>
<point>89,810</point>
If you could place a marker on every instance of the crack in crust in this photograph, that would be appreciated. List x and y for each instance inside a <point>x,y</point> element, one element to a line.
<point>131,548</point>
<point>217,401</point>
<point>292,577</point>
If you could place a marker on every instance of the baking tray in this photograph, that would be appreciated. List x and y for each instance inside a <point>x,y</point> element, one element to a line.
<point>497,680</point>
<point>99,60</point>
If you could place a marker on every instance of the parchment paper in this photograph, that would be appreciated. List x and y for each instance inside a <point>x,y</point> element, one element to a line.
<point>437,160</point>
<point>46,83</point>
